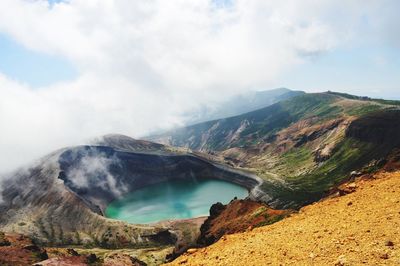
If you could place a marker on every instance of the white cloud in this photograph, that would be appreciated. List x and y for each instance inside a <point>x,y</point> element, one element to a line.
<point>93,170</point>
<point>143,64</point>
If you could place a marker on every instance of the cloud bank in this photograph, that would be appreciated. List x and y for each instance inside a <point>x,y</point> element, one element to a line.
<point>143,65</point>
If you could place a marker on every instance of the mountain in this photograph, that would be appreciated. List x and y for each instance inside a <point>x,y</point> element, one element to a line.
<point>301,147</point>
<point>289,154</point>
<point>60,200</point>
<point>360,228</point>
<point>243,103</point>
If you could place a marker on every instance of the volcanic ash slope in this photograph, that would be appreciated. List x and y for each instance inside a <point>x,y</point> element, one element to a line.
<point>361,228</point>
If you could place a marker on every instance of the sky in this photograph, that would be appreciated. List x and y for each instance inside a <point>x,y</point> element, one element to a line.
<point>73,70</point>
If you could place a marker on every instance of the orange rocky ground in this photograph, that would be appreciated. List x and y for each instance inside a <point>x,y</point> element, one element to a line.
<point>361,228</point>
<point>19,250</point>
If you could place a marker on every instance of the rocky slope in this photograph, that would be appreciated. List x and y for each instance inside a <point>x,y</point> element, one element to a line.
<point>37,203</point>
<point>301,147</point>
<point>287,155</point>
<point>19,250</point>
<point>61,199</point>
<point>360,228</point>
<point>237,216</point>
<point>251,128</point>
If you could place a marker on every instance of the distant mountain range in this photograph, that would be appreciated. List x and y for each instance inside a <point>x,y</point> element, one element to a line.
<point>243,103</point>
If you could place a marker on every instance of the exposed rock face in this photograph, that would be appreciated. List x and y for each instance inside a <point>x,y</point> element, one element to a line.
<point>225,133</point>
<point>317,132</point>
<point>393,161</point>
<point>381,128</point>
<point>187,232</point>
<point>302,147</point>
<point>242,130</point>
<point>237,216</point>
<point>60,200</point>
<point>38,204</point>
<point>120,172</point>
<point>19,250</point>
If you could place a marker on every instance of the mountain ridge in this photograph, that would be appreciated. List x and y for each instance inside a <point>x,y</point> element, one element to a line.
<point>60,200</point>
<point>243,103</point>
<point>289,154</point>
<point>301,147</point>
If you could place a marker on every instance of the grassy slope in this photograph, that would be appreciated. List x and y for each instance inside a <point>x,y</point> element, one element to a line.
<point>263,123</point>
<point>305,180</point>
<point>216,135</point>
<point>349,154</point>
<point>354,97</point>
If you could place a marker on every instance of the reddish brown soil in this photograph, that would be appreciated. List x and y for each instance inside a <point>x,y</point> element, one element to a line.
<point>19,250</point>
<point>64,261</point>
<point>237,216</point>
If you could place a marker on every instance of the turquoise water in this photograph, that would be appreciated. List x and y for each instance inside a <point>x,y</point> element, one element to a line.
<point>175,199</point>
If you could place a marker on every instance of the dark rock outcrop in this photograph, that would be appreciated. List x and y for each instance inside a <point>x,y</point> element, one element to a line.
<point>381,127</point>
<point>237,216</point>
<point>61,200</point>
<point>121,172</point>
<point>205,238</point>
<point>311,136</point>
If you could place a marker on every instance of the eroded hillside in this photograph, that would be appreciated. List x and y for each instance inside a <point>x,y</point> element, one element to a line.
<point>361,228</point>
<point>301,147</point>
<point>60,200</point>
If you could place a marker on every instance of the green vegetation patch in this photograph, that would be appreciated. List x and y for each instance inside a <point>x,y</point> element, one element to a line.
<point>312,105</point>
<point>271,220</point>
<point>363,109</point>
<point>387,102</point>
<point>259,211</point>
<point>364,98</point>
<point>297,158</point>
<point>349,156</point>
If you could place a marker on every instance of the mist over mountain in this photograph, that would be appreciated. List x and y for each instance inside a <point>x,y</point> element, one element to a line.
<point>139,133</point>
<point>295,150</point>
<point>242,103</point>
<point>301,146</point>
<point>141,67</point>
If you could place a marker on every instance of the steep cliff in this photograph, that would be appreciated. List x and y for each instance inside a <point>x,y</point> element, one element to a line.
<point>61,199</point>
